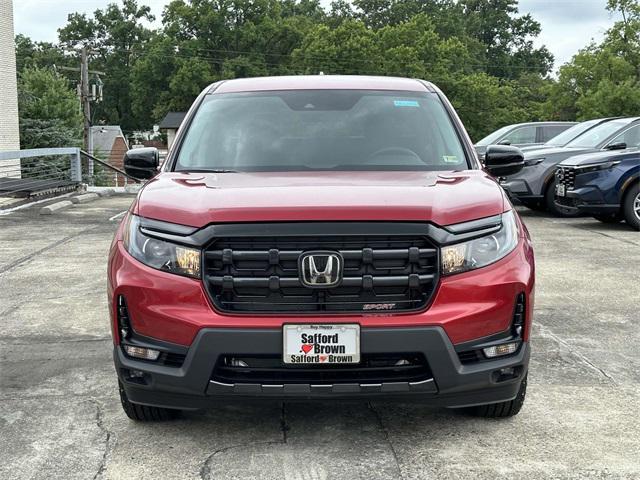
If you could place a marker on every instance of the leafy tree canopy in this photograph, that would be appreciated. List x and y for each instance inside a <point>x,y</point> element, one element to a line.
<point>480,52</point>
<point>49,110</point>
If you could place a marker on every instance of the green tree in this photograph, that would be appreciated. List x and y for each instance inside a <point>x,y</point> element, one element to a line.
<point>118,37</point>
<point>49,110</point>
<point>602,80</point>
<point>49,117</point>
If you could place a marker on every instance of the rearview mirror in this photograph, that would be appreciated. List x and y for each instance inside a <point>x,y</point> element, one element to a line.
<point>503,160</point>
<point>504,142</point>
<point>142,163</point>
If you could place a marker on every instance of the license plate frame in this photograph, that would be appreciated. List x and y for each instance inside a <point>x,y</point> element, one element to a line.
<point>323,349</point>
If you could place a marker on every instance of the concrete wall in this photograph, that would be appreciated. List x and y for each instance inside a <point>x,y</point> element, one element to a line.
<point>9,133</point>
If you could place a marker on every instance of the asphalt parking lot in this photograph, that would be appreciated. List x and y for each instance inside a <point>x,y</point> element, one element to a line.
<point>60,415</point>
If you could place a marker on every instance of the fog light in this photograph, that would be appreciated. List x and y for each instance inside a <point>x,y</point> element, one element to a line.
<point>236,362</point>
<point>500,350</point>
<point>139,352</point>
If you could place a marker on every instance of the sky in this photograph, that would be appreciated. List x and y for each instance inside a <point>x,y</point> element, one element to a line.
<point>567,25</point>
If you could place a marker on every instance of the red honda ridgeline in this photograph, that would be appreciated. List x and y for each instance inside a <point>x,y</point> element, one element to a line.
<point>321,237</point>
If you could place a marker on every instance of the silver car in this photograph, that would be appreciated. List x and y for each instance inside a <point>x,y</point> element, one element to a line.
<point>522,135</point>
<point>534,185</point>
<point>569,134</point>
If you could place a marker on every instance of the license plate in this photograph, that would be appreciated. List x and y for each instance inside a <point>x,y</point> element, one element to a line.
<point>321,344</point>
<point>560,190</point>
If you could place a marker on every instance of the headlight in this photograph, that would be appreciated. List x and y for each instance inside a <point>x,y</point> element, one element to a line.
<point>481,251</point>
<point>597,166</point>
<point>159,254</point>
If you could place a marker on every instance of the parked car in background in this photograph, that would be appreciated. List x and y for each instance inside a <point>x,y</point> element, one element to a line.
<point>534,185</point>
<point>522,134</point>
<point>605,185</point>
<point>569,134</point>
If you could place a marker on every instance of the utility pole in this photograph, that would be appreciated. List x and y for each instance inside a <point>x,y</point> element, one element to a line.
<point>85,99</point>
<point>87,93</point>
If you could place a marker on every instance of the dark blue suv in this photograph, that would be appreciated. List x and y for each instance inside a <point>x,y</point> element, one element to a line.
<point>605,185</point>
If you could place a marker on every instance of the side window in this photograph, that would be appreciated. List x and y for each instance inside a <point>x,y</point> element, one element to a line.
<point>551,131</point>
<point>521,135</point>
<point>631,137</point>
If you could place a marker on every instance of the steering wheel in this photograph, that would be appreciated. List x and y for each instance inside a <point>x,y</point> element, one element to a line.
<point>396,150</point>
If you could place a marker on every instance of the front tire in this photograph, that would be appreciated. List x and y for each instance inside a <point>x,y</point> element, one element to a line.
<point>502,409</point>
<point>553,207</point>
<point>144,413</point>
<point>631,207</point>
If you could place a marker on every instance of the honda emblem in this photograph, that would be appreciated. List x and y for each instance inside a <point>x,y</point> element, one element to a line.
<point>320,269</point>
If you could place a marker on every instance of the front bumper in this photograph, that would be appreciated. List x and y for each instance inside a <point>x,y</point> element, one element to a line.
<point>450,383</point>
<point>588,200</point>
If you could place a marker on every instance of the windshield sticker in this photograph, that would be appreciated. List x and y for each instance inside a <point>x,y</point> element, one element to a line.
<point>450,159</point>
<point>406,103</point>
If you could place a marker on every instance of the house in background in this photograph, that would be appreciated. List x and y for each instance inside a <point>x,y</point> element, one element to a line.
<point>109,144</point>
<point>9,130</point>
<point>170,124</point>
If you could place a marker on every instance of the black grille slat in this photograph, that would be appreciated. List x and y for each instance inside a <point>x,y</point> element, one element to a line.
<point>295,282</point>
<point>260,274</point>
<point>373,368</point>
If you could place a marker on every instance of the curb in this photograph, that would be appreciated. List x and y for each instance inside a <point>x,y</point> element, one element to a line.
<point>106,192</point>
<point>84,198</point>
<point>54,207</point>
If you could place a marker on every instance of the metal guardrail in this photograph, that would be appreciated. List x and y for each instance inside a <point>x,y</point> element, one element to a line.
<point>43,171</point>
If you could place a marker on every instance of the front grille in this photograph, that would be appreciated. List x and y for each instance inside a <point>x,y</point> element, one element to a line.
<point>381,273</point>
<point>270,370</point>
<point>566,176</point>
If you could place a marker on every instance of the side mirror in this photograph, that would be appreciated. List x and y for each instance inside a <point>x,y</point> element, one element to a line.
<point>616,146</point>
<point>142,163</point>
<point>505,142</point>
<point>503,160</point>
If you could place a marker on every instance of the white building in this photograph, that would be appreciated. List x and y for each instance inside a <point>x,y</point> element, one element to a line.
<point>9,132</point>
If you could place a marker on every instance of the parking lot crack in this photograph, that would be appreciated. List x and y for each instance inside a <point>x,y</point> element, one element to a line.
<point>109,439</point>
<point>387,439</point>
<point>546,332</point>
<point>283,423</point>
<point>55,244</point>
<point>205,470</point>
<point>591,230</point>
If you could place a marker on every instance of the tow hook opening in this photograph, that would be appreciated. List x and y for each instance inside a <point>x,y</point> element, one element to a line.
<point>136,376</point>
<point>507,373</point>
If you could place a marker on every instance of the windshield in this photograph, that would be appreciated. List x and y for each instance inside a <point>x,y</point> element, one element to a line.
<point>565,137</point>
<point>321,130</point>
<point>494,137</point>
<point>594,137</point>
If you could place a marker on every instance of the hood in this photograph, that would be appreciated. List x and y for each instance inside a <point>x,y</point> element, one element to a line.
<point>599,157</point>
<point>559,152</point>
<point>531,148</point>
<point>197,199</point>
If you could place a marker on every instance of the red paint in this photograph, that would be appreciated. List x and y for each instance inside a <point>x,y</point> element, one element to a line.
<point>197,199</point>
<point>468,306</point>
